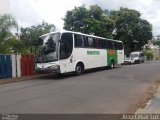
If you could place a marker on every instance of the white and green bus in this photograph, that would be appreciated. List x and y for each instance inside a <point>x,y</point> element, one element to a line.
<point>67,51</point>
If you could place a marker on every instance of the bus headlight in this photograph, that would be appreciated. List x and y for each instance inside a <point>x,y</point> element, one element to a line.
<point>55,67</point>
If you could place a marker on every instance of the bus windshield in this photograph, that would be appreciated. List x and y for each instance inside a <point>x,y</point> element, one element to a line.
<point>48,51</point>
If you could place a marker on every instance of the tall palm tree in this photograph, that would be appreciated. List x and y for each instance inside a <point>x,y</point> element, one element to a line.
<point>7,23</point>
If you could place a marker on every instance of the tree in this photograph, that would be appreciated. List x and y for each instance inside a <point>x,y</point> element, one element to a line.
<point>16,45</point>
<point>131,29</point>
<point>74,19</point>
<point>156,41</point>
<point>30,34</point>
<point>126,23</point>
<point>89,21</point>
<point>7,23</point>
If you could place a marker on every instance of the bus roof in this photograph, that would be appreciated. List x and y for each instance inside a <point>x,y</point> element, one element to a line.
<point>65,31</point>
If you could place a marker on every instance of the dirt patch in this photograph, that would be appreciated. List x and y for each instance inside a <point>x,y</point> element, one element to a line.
<point>148,95</point>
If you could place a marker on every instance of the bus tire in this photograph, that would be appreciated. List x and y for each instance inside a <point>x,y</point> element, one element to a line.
<point>79,69</point>
<point>111,66</point>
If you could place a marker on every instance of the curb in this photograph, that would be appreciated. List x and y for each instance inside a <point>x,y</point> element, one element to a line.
<point>19,79</point>
<point>150,105</point>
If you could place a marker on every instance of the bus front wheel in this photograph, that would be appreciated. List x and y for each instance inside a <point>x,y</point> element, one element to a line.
<point>79,69</point>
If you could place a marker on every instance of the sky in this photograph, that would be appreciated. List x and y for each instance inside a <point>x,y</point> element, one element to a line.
<point>33,12</point>
<point>4,6</point>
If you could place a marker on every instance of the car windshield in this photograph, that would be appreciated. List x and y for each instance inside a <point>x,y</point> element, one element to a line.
<point>134,55</point>
<point>48,51</point>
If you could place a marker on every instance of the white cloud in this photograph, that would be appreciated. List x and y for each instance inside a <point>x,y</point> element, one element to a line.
<point>29,12</point>
<point>25,12</point>
<point>54,11</point>
<point>4,6</point>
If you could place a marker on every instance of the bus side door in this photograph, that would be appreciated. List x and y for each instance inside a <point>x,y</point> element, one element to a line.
<point>66,48</point>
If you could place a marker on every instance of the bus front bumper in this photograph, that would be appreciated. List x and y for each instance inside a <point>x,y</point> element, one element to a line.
<point>52,69</point>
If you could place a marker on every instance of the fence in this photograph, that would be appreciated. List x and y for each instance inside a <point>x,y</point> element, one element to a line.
<point>16,65</point>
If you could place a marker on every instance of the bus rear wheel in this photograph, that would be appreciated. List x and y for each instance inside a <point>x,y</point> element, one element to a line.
<point>111,66</point>
<point>79,69</point>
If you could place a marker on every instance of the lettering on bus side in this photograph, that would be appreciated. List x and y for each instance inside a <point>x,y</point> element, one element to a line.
<point>93,52</point>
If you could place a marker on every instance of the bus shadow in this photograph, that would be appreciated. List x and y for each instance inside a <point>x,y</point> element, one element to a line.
<point>69,75</point>
<point>90,71</point>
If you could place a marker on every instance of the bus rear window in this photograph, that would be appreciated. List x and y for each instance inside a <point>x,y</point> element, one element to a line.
<point>119,46</point>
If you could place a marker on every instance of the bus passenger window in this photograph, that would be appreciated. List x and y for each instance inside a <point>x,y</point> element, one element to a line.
<point>120,46</point>
<point>100,43</point>
<point>113,45</point>
<point>117,46</point>
<point>79,40</point>
<point>90,42</point>
<point>110,45</point>
<point>107,44</point>
<point>96,43</point>
<point>104,42</point>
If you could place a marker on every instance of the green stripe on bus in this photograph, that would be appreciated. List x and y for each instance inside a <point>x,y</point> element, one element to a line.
<point>112,55</point>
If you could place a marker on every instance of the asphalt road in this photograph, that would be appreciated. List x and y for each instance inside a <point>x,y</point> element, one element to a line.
<point>96,91</point>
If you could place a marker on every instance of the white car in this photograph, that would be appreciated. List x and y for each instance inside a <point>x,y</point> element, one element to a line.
<point>137,57</point>
<point>127,61</point>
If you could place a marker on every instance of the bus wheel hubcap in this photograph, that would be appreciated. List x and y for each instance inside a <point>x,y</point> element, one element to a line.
<point>112,65</point>
<point>79,69</point>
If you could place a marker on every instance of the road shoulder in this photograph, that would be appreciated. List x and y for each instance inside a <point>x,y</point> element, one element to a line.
<point>153,105</point>
<point>19,79</point>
